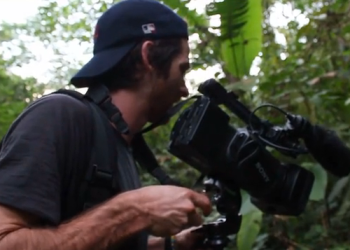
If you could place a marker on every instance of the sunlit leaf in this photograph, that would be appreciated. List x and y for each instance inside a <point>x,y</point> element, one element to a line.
<point>250,228</point>
<point>240,33</point>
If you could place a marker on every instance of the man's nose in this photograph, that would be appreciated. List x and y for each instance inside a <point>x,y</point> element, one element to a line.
<point>184,91</point>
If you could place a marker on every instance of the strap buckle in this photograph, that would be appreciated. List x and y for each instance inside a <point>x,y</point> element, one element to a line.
<point>100,177</point>
<point>99,94</point>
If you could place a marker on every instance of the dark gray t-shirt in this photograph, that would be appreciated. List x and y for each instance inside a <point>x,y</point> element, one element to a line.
<point>43,155</point>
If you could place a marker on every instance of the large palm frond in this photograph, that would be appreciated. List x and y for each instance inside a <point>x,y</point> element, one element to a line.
<point>240,32</point>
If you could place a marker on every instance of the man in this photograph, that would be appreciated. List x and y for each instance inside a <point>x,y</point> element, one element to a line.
<point>141,56</point>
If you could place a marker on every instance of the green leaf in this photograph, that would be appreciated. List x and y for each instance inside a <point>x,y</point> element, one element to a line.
<point>347,102</point>
<point>338,188</point>
<point>247,207</point>
<point>320,183</point>
<point>249,231</point>
<point>241,33</point>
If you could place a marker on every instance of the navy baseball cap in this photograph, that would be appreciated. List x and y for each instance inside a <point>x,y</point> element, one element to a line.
<point>119,30</point>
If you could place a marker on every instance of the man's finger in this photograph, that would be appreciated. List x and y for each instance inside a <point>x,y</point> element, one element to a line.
<point>194,219</point>
<point>202,201</point>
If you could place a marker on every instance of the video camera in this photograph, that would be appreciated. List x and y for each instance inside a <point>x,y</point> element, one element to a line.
<point>236,158</point>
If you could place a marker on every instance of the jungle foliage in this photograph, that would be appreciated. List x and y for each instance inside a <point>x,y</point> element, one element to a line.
<point>303,68</point>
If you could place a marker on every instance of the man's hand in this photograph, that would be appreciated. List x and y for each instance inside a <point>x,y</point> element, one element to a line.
<point>188,240</point>
<point>171,209</point>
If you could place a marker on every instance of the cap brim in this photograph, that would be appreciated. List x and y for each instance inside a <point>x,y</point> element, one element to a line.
<point>100,63</point>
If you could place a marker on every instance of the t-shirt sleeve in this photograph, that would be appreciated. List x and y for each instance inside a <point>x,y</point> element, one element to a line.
<point>30,159</point>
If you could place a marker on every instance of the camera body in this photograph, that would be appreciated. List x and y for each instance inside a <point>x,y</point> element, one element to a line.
<point>203,138</point>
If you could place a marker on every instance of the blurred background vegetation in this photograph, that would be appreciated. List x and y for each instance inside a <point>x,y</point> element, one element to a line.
<point>294,54</point>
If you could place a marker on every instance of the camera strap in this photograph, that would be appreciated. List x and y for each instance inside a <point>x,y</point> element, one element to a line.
<point>171,112</point>
<point>143,153</point>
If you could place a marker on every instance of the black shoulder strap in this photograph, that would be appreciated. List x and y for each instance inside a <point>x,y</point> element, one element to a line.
<point>99,94</point>
<point>100,174</point>
<point>98,183</point>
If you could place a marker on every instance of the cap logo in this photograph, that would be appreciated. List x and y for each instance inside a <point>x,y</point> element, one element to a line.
<point>149,28</point>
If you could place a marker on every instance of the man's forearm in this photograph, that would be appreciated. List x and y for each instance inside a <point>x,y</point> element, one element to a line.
<point>108,225</point>
<point>155,243</point>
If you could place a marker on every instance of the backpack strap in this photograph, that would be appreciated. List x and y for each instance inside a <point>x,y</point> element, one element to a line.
<point>98,183</point>
<point>99,94</point>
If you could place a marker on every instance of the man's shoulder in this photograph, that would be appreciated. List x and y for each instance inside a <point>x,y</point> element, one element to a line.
<point>54,113</point>
<point>61,100</point>
<point>59,106</point>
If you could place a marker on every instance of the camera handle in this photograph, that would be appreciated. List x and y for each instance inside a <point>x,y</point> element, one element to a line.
<point>228,203</point>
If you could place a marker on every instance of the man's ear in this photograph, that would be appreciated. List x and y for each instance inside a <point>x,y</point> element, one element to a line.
<point>144,55</point>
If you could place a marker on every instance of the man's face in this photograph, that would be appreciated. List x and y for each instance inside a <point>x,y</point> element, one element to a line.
<point>167,92</point>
